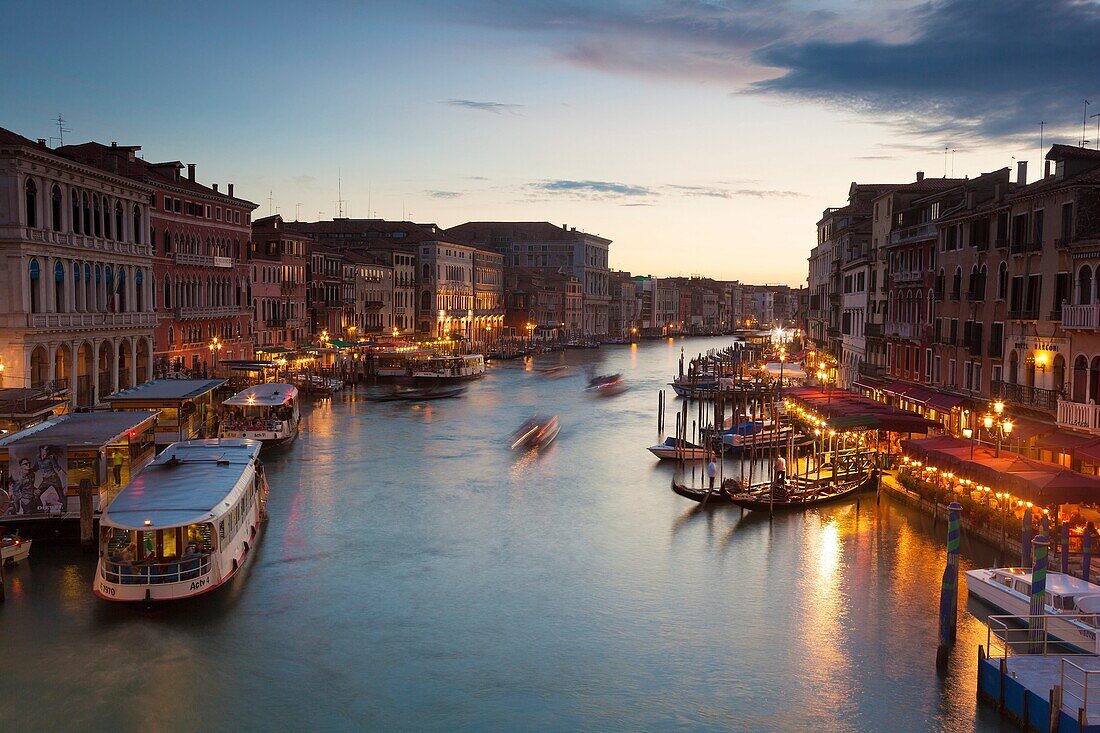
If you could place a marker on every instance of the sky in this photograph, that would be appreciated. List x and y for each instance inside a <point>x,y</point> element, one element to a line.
<point>700,136</point>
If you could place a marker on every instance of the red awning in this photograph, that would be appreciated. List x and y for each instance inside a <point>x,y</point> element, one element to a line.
<point>944,402</point>
<point>1063,440</point>
<point>1023,429</point>
<point>1089,453</point>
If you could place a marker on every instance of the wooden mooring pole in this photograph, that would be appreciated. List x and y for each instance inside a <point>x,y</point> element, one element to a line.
<point>949,590</point>
<point>87,540</point>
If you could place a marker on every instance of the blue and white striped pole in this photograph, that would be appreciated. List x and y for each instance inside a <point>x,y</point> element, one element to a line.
<point>949,588</point>
<point>1037,624</point>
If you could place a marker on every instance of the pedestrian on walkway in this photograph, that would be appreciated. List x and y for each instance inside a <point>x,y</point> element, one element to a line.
<point>712,471</point>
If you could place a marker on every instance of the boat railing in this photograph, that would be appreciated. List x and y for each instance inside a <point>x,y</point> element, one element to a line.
<point>156,573</point>
<point>270,426</point>
<point>1020,635</point>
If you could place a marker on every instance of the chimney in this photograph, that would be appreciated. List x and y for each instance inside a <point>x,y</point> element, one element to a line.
<point>1046,169</point>
<point>114,143</point>
<point>565,227</point>
<point>230,190</point>
<point>190,171</point>
<point>42,142</point>
<point>920,176</point>
<point>1021,172</point>
<point>214,186</point>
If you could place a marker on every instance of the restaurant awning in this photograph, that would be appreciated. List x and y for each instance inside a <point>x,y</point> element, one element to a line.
<point>1024,429</point>
<point>944,402</point>
<point>849,411</point>
<point>1042,483</point>
<point>1063,440</point>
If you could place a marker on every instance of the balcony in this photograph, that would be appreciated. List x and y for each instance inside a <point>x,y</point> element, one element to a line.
<point>874,371</point>
<point>66,239</point>
<point>89,321</point>
<point>1084,317</point>
<point>1024,396</point>
<point>872,330</point>
<point>185,258</point>
<point>373,305</point>
<point>904,330</point>
<point>907,277</point>
<point>833,333</point>
<point>1019,248</point>
<point>211,311</point>
<point>913,234</point>
<point>1029,314</point>
<point>1079,416</point>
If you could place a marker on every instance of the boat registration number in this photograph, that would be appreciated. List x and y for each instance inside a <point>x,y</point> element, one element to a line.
<point>200,583</point>
<point>106,589</point>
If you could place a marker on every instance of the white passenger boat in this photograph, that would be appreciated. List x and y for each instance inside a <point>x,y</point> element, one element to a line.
<point>674,448</point>
<point>13,549</point>
<point>755,433</point>
<point>452,368</point>
<point>185,525</point>
<point>1071,604</point>
<point>269,413</point>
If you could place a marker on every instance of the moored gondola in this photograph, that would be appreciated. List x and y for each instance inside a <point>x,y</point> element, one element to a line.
<point>794,498</point>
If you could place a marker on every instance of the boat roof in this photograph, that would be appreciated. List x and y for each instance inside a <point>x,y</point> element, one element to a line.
<point>81,429</point>
<point>271,394</point>
<point>1057,583</point>
<point>167,389</point>
<point>189,482</point>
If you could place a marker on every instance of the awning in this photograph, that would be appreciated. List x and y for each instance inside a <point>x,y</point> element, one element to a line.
<point>1063,440</point>
<point>847,410</point>
<point>944,402</point>
<point>865,384</point>
<point>1089,453</point>
<point>1024,429</point>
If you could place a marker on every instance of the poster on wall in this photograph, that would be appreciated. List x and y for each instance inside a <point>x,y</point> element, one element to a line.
<point>37,477</point>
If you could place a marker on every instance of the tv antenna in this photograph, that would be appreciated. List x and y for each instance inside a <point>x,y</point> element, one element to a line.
<point>270,202</point>
<point>297,210</point>
<point>1084,121</point>
<point>952,162</point>
<point>61,130</point>
<point>945,151</point>
<point>340,213</point>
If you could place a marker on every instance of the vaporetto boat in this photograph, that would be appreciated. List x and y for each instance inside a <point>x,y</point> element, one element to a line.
<point>269,413</point>
<point>185,525</point>
<point>1071,604</point>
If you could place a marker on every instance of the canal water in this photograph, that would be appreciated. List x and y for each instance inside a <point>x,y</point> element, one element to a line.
<point>416,575</point>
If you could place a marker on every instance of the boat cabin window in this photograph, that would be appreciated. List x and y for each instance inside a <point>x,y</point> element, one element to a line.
<point>1022,586</point>
<point>1007,582</point>
<point>154,546</point>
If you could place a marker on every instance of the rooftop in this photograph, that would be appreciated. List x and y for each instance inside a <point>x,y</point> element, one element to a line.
<point>167,389</point>
<point>81,429</point>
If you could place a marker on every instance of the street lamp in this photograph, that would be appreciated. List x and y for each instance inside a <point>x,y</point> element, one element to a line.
<point>997,423</point>
<point>215,346</point>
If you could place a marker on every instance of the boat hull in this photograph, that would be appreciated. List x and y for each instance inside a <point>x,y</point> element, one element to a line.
<point>667,453</point>
<point>758,504</point>
<point>14,553</point>
<point>701,495</point>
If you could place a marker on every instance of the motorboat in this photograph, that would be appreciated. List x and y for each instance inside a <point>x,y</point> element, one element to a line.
<point>536,433</point>
<point>698,388</point>
<point>555,371</point>
<point>606,385</point>
<point>755,434</point>
<point>675,448</point>
<point>13,549</point>
<point>452,368</point>
<point>1071,604</point>
<point>419,394</point>
<point>269,413</point>
<point>185,525</point>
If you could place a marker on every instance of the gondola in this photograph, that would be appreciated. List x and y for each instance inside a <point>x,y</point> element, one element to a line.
<point>794,499</point>
<point>717,496</point>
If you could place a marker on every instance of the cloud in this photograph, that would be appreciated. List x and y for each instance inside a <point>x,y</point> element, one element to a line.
<point>967,67</point>
<point>876,157</point>
<point>962,69</point>
<point>495,108</point>
<point>729,193</point>
<point>443,194</point>
<point>591,189</point>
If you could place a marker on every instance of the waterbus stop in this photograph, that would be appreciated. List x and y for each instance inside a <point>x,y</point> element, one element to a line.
<point>187,407</point>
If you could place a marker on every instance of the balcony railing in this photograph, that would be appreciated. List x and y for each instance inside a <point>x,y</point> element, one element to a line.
<point>1019,248</point>
<point>67,239</point>
<point>874,371</point>
<point>1020,394</point>
<point>907,277</point>
<point>904,330</point>
<point>90,321</point>
<point>913,233</point>
<point>208,311</point>
<point>1085,317</point>
<point>1079,415</point>
<point>872,330</point>
<point>186,258</point>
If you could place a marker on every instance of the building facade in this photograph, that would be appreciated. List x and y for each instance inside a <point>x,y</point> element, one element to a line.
<point>279,256</point>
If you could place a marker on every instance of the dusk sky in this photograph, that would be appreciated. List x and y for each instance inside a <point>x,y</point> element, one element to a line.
<point>701,137</point>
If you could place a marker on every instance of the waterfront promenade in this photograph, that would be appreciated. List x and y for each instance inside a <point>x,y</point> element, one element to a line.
<point>415,575</point>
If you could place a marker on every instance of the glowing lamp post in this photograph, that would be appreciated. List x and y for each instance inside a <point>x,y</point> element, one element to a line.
<point>215,347</point>
<point>998,424</point>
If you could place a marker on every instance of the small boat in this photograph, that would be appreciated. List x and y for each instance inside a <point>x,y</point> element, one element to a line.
<point>419,394</point>
<point>718,495</point>
<point>695,389</point>
<point>606,385</point>
<point>1072,604</point>
<point>754,434</point>
<point>676,448</point>
<point>13,548</point>
<point>185,525</point>
<point>795,496</point>
<point>536,433</point>
<point>557,371</point>
<point>269,413</point>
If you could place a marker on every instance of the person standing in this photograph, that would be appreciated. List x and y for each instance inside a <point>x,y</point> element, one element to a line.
<point>780,470</point>
<point>116,466</point>
<point>712,471</point>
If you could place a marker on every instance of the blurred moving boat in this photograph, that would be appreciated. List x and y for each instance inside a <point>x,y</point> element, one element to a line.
<point>419,394</point>
<point>538,432</point>
<point>557,371</point>
<point>606,385</point>
<point>674,448</point>
<point>13,548</point>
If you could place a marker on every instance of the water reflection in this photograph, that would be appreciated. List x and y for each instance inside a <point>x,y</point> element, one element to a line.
<point>417,574</point>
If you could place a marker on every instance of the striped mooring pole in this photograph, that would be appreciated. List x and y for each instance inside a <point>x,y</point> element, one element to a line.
<point>949,589</point>
<point>1086,551</point>
<point>1037,624</point>
<point>1025,542</point>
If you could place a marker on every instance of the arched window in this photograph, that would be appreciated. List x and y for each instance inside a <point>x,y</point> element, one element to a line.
<point>167,292</point>
<point>426,301</point>
<point>1002,281</point>
<point>34,273</point>
<point>87,208</point>
<point>1013,368</point>
<point>55,208</point>
<point>118,221</point>
<point>956,283</point>
<point>1084,285</point>
<point>137,224</point>
<point>139,295</point>
<point>59,288</point>
<point>97,216</point>
<point>427,273</point>
<point>75,196</point>
<point>983,277</point>
<point>31,191</point>
<point>107,218</point>
<point>120,290</point>
<point>1080,378</point>
<point>931,306</point>
<point>1058,373</point>
<point>171,336</point>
